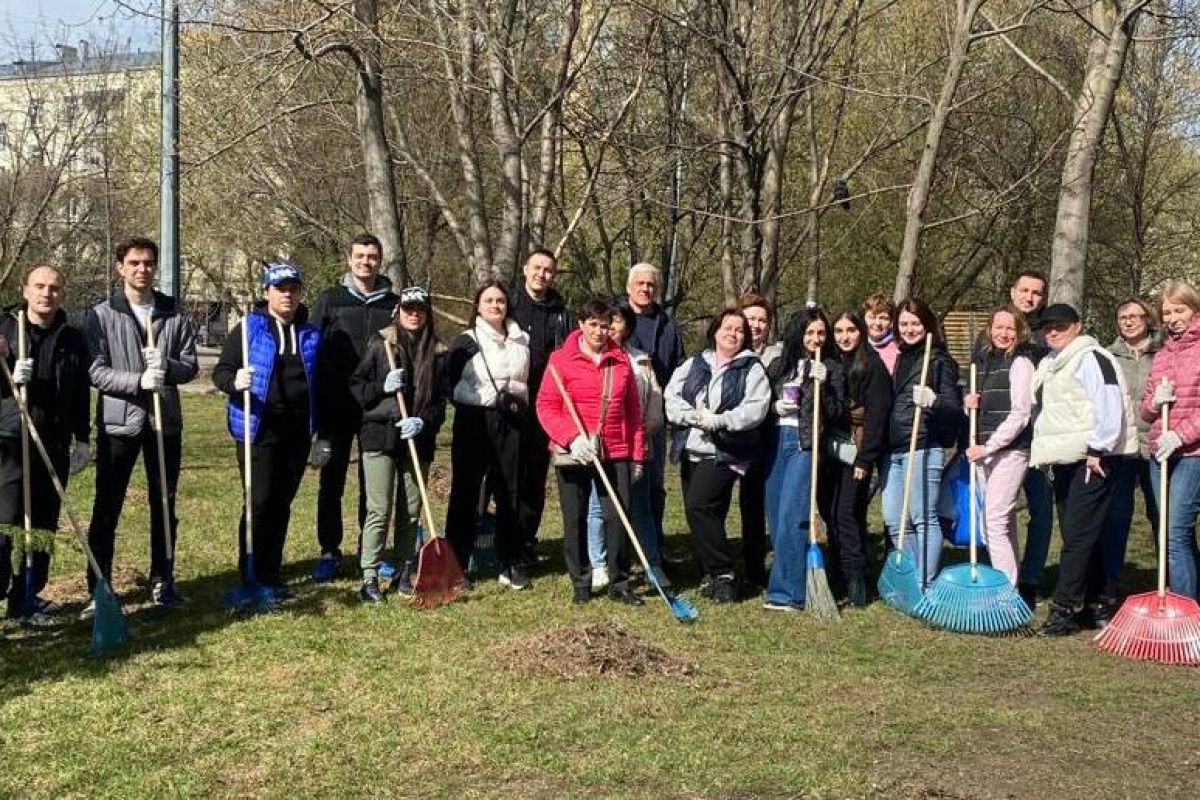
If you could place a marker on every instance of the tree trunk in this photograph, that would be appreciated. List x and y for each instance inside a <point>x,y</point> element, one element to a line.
<point>508,141</point>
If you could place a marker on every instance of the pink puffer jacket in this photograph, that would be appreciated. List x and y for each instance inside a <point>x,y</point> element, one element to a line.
<point>1178,360</point>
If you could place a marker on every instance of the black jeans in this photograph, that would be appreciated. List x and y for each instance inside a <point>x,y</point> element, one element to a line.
<point>845,511</point>
<point>331,489</point>
<point>277,463</point>
<point>1082,501</point>
<point>115,459</point>
<point>752,498</point>
<point>574,492</point>
<point>707,492</point>
<point>533,467</point>
<point>484,445</point>
<point>44,511</point>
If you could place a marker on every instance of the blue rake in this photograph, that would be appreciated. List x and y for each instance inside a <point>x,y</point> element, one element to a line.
<point>108,624</point>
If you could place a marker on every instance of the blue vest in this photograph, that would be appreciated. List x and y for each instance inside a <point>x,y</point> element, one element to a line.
<point>262,357</point>
<point>732,446</point>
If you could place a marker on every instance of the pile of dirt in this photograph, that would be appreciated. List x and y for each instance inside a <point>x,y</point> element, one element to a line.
<point>594,649</point>
<point>126,582</point>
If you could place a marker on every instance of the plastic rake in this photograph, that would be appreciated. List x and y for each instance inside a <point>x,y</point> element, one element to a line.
<point>899,584</point>
<point>680,608</point>
<point>1156,626</point>
<point>973,598</point>
<point>818,599</point>
<point>108,623</point>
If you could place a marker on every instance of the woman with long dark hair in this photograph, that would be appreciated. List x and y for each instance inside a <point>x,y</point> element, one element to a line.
<point>415,368</point>
<point>488,372</point>
<point>854,445</point>
<point>942,420</point>
<point>789,453</point>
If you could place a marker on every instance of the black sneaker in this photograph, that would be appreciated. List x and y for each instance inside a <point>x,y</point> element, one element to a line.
<point>582,595</point>
<point>1061,622</point>
<point>515,577</point>
<point>706,586</point>
<point>163,594</point>
<point>1099,614</point>
<point>724,589</point>
<point>402,583</point>
<point>621,593</point>
<point>371,593</point>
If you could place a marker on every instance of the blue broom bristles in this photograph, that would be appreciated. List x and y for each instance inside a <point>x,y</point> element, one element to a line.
<point>818,599</point>
<point>973,599</point>
<point>898,585</point>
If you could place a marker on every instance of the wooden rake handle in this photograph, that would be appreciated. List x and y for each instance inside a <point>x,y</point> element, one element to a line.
<point>165,495</point>
<point>412,449</point>
<point>1163,497</point>
<point>816,450</point>
<point>972,428</point>
<point>912,446</point>
<point>246,400</point>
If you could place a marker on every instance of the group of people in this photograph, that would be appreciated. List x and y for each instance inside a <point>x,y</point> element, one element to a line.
<point>606,395</point>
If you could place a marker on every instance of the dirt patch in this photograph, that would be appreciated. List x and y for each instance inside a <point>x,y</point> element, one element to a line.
<point>126,581</point>
<point>584,651</point>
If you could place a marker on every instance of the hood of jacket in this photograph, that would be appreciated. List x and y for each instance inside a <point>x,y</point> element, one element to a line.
<point>383,286</point>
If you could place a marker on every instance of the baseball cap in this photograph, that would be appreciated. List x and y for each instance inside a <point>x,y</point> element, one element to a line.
<point>414,296</point>
<point>276,274</point>
<point>1058,314</point>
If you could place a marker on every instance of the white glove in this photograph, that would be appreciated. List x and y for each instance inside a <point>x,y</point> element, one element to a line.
<point>320,454</point>
<point>243,378</point>
<point>707,421</point>
<point>394,381</point>
<point>152,380</point>
<point>22,371</point>
<point>410,427</point>
<point>818,371</point>
<point>923,396</point>
<point>81,454</point>
<point>637,471</point>
<point>153,358</point>
<point>1164,393</point>
<point>1168,443</point>
<point>582,450</point>
<point>783,408</point>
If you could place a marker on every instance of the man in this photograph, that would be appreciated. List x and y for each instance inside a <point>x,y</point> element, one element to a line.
<point>759,314</point>
<point>657,335</point>
<point>280,376</point>
<point>55,378</point>
<point>1028,294</point>
<point>128,373</point>
<point>1084,421</point>
<point>541,312</point>
<point>346,315</point>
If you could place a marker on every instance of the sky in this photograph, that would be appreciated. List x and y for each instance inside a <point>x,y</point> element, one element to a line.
<point>47,22</point>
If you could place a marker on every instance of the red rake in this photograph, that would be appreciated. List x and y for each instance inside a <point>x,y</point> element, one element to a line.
<point>1156,626</point>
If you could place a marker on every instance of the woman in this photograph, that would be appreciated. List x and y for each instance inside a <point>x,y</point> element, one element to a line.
<point>598,377</point>
<point>1004,401</point>
<point>716,402</point>
<point>856,442</point>
<point>488,368</point>
<point>879,313</point>
<point>941,421</point>
<point>789,459</point>
<point>641,512</point>
<point>1175,380</point>
<point>383,439</point>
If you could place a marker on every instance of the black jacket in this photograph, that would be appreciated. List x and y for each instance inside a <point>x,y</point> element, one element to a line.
<point>548,323</point>
<point>380,411</point>
<point>657,335</point>
<point>833,395</point>
<point>869,404</point>
<point>347,320</point>
<point>59,392</point>
<point>941,425</point>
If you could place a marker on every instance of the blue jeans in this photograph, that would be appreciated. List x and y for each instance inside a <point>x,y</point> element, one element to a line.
<point>789,470</point>
<point>1131,473</point>
<point>1039,497</point>
<point>1183,504</point>
<point>923,536</point>
<point>640,515</point>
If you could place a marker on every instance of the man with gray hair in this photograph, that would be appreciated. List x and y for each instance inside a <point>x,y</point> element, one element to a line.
<point>658,335</point>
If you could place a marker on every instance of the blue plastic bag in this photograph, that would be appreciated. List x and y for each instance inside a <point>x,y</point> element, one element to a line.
<point>954,499</point>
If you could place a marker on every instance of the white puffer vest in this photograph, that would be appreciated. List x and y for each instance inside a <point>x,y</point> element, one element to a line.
<point>507,358</point>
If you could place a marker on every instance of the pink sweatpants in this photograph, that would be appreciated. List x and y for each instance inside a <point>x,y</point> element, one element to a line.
<point>1003,475</point>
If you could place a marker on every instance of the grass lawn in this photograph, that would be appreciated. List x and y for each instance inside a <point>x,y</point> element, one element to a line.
<point>329,698</point>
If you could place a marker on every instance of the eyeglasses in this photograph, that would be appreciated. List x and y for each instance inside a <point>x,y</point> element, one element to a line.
<point>1134,317</point>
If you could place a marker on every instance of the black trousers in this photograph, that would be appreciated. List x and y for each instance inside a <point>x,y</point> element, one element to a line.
<point>115,459</point>
<point>752,498</point>
<point>484,445</point>
<point>277,462</point>
<point>707,492</point>
<point>845,511</point>
<point>532,470</point>
<point>1082,502</point>
<point>574,492</point>
<point>45,507</point>
<point>331,489</point>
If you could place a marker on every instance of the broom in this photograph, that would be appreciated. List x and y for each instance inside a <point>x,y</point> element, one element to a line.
<point>899,586</point>
<point>167,596</point>
<point>1156,626</point>
<point>108,624</point>
<point>972,598</point>
<point>818,599</point>
<point>680,608</point>
<point>251,595</point>
<point>439,578</point>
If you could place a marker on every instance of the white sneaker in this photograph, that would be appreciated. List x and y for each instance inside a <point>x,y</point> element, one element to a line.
<point>599,578</point>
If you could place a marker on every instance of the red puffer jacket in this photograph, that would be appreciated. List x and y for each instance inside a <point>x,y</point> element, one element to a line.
<point>1178,360</point>
<point>623,435</point>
